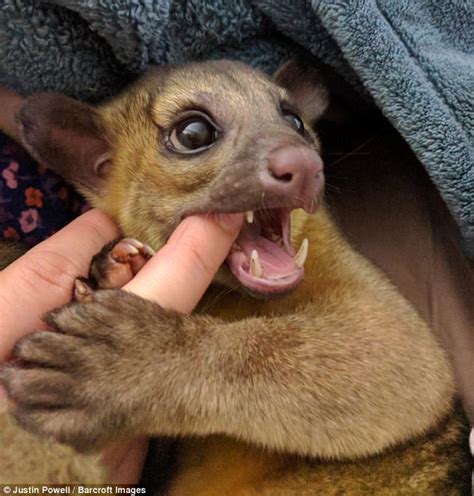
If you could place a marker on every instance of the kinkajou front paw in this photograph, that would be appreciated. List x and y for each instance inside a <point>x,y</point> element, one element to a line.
<point>118,262</point>
<point>85,383</point>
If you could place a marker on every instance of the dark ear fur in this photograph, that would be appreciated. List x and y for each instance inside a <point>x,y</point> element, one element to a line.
<point>68,136</point>
<point>305,83</point>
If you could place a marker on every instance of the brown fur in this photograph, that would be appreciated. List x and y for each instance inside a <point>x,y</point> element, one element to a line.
<point>26,458</point>
<point>10,251</point>
<point>432,465</point>
<point>341,368</point>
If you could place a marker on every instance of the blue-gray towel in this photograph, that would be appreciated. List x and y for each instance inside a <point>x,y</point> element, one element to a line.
<point>414,57</point>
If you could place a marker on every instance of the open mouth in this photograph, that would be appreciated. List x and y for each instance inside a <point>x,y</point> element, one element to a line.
<point>262,258</point>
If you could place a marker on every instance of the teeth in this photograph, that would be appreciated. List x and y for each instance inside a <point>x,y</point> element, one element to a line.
<point>273,237</point>
<point>249,216</point>
<point>255,265</point>
<point>300,257</point>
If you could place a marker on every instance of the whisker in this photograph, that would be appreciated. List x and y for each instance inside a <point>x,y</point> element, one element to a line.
<point>352,152</point>
<point>215,299</point>
<point>347,153</point>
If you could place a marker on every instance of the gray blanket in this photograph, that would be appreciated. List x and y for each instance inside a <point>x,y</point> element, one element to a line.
<point>414,57</point>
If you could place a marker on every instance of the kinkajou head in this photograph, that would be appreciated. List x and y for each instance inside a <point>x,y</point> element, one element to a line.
<point>207,137</point>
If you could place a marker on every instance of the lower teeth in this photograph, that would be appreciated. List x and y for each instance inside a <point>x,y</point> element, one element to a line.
<point>256,268</point>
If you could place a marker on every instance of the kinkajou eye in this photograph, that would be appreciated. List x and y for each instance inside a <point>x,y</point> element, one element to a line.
<point>195,132</point>
<point>294,121</point>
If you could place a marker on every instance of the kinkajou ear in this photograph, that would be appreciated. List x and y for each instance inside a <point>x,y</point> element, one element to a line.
<point>67,136</point>
<point>305,83</point>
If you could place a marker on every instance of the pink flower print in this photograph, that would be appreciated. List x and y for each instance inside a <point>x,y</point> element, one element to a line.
<point>9,174</point>
<point>29,220</point>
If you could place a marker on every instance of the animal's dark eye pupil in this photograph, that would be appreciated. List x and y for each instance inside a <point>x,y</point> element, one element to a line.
<point>195,133</point>
<point>295,122</point>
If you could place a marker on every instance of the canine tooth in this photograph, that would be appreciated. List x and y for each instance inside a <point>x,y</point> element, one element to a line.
<point>249,216</point>
<point>300,257</point>
<point>255,265</point>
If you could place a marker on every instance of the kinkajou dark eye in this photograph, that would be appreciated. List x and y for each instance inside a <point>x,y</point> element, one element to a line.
<point>294,121</point>
<point>194,133</point>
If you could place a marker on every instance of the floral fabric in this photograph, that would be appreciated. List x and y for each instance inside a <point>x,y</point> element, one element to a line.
<point>34,201</point>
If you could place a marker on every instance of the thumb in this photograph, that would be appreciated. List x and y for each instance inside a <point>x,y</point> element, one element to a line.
<point>179,274</point>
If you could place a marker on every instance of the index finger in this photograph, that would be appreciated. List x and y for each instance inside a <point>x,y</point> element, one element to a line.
<point>43,278</point>
<point>179,274</point>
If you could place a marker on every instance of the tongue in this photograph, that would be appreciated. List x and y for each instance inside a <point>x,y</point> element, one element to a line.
<point>276,261</point>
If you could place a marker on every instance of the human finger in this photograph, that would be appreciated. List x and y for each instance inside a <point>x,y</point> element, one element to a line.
<point>179,274</point>
<point>43,278</point>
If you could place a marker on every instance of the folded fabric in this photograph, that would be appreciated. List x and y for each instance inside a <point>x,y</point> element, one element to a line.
<point>415,58</point>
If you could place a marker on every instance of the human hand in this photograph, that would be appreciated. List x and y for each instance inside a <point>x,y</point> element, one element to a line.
<point>44,277</point>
